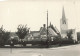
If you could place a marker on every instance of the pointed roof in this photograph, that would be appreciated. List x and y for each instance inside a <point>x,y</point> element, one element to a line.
<point>52,32</point>
<point>43,30</point>
<point>63,14</point>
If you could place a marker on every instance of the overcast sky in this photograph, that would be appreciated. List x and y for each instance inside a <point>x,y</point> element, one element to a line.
<point>33,13</point>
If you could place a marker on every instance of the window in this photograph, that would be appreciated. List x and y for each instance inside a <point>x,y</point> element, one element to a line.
<point>64,21</point>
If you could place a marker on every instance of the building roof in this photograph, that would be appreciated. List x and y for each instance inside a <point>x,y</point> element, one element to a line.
<point>63,14</point>
<point>52,32</point>
<point>43,30</point>
<point>35,33</point>
<point>13,34</point>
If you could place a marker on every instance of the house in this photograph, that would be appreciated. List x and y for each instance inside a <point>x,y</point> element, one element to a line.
<point>41,35</point>
<point>0,30</point>
<point>51,33</point>
<point>33,36</point>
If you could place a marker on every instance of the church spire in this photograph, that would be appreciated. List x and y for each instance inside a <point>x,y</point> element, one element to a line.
<point>63,13</point>
<point>63,16</point>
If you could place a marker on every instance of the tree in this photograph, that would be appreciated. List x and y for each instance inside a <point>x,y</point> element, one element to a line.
<point>69,34</point>
<point>22,31</point>
<point>1,37</point>
<point>4,36</point>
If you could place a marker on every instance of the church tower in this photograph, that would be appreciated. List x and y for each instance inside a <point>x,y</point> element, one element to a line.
<point>63,24</point>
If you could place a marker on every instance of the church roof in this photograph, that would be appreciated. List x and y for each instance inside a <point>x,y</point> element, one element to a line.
<point>63,16</point>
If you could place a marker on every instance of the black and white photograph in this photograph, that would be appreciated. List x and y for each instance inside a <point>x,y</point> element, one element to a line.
<point>39,27</point>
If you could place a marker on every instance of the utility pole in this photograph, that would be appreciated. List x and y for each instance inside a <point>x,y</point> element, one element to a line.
<point>11,44</point>
<point>47,31</point>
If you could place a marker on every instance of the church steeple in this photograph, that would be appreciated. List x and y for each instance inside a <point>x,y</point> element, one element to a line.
<point>63,14</point>
<point>63,24</point>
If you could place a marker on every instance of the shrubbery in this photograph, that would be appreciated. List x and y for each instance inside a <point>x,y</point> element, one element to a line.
<point>4,36</point>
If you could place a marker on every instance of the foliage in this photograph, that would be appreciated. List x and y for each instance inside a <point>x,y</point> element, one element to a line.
<point>22,31</point>
<point>69,34</point>
<point>4,36</point>
<point>56,40</point>
<point>78,36</point>
<point>68,39</point>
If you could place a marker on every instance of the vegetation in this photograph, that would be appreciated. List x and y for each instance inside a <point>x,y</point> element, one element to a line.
<point>69,34</point>
<point>22,31</point>
<point>68,39</point>
<point>4,36</point>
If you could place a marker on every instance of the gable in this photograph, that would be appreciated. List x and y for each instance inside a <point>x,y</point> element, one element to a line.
<point>52,32</point>
<point>43,31</point>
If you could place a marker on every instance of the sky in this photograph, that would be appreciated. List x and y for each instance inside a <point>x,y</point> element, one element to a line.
<point>34,13</point>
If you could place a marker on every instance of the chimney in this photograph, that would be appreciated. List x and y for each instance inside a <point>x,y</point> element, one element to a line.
<point>44,25</point>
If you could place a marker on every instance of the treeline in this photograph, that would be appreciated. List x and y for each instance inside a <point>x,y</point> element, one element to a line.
<point>23,30</point>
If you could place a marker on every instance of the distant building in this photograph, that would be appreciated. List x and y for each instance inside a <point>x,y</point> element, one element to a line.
<point>63,24</point>
<point>41,35</point>
<point>64,27</point>
<point>51,33</point>
<point>33,36</point>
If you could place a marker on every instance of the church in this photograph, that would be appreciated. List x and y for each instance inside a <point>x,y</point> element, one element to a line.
<point>64,27</point>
